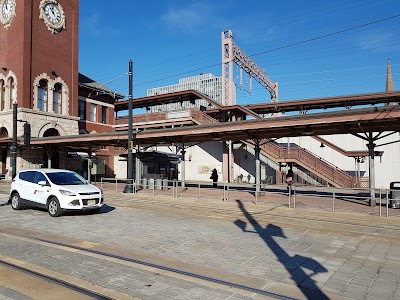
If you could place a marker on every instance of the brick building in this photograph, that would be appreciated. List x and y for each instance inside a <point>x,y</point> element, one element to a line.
<point>39,72</point>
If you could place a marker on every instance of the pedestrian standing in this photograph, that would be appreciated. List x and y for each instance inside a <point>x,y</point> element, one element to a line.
<point>214,177</point>
<point>289,180</point>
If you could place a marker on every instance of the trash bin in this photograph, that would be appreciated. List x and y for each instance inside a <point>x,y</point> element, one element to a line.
<point>144,183</point>
<point>394,194</point>
<point>151,183</point>
<point>165,184</point>
<point>158,184</point>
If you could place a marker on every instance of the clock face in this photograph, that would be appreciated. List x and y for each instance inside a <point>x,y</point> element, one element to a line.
<point>8,7</point>
<point>7,12</point>
<point>52,13</point>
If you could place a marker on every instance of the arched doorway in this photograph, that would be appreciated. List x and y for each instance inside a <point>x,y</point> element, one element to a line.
<point>3,134</point>
<point>51,152</point>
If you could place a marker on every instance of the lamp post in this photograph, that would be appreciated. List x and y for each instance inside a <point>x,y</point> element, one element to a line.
<point>129,178</point>
<point>13,148</point>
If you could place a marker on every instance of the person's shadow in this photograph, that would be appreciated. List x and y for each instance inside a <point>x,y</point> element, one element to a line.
<point>295,265</point>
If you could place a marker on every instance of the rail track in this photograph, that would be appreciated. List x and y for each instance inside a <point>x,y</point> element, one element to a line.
<point>46,284</point>
<point>196,275</point>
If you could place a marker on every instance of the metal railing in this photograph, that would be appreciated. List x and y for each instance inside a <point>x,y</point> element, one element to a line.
<point>321,198</point>
<point>312,162</point>
<point>196,114</point>
<point>202,118</point>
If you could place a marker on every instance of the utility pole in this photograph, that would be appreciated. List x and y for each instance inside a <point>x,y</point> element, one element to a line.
<point>129,179</point>
<point>13,148</point>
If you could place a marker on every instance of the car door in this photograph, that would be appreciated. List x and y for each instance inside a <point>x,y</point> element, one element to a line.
<point>41,192</point>
<point>26,186</point>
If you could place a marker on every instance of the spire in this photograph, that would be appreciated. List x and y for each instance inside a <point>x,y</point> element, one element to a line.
<point>389,79</point>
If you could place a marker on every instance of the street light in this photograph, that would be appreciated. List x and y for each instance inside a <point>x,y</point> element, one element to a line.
<point>13,148</point>
<point>129,178</point>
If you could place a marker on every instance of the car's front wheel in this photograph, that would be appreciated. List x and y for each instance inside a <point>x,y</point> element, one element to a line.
<point>53,207</point>
<point>16,203</point>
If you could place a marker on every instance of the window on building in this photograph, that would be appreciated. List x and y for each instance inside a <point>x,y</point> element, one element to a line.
<point>104,114</point>
<point>11,84</point>
<point>82,110</point>
<point>2,95</point>
<point>42,95</point>
<point>93,108</point>
<point>3,132</point>
<point>57,98</point>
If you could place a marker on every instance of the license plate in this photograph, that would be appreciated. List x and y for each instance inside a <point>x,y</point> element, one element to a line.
<point>91,202</point>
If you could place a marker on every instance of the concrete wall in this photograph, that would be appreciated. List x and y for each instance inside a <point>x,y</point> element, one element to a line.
<point>203,159</point>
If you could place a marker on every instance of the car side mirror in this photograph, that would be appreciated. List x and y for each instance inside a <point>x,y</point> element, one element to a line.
<point>42,183</point>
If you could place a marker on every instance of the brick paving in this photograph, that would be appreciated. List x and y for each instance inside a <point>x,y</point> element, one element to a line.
<point>299,253</point>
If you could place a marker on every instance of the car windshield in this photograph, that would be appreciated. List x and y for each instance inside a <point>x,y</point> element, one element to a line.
<point>66,178</point>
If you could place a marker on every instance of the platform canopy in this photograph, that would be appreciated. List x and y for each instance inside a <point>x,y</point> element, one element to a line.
<point>360,121</point>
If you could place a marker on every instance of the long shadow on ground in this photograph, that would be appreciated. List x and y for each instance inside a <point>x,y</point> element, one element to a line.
<point>294,264</point>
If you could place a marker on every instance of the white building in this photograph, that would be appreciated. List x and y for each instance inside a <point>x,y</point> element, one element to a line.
<point>207,84</point>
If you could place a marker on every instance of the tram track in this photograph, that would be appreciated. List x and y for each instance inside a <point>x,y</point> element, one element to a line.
<point>166,267</point>
<point>42,281</point>
<point>355,225</point>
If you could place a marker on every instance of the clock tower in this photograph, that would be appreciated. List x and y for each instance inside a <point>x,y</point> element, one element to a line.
<point>39,42</point>
<point>39,72</point>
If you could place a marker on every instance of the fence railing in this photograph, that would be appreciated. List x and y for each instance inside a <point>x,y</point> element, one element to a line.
<point>202,118</point>
<point>324,198</point>
<point>196,114</point>
<point>325,169</point>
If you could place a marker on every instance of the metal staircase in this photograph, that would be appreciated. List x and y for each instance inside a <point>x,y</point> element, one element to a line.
<point>308,160</point>
<point>300,156</point>
<point>279,154</point>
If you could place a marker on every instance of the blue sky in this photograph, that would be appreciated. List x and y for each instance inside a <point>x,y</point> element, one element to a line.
<point>311,48</point>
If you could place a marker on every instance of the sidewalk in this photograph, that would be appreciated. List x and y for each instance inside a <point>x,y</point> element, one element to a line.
<point>293,252</point>
<point>362,225</point>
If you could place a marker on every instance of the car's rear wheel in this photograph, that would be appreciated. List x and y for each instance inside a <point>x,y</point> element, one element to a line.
<point>16,203</point>
<point>53,207</point>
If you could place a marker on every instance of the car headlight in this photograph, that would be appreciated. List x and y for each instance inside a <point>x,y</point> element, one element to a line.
<point>67,193</point>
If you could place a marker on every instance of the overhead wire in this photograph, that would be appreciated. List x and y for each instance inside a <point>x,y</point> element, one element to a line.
<point>325,35</point>
<point>336,6</point>
<point>259,53</point>
<point>275,49</point>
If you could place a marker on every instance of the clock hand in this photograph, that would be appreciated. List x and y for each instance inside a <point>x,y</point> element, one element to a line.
<point>51,10</point>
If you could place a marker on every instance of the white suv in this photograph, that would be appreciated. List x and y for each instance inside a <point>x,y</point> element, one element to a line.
<point>54,189</point>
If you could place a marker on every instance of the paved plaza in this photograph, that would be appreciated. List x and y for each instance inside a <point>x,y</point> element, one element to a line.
<point>147,247</point>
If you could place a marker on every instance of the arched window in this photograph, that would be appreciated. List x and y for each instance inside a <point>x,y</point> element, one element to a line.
<point>11,84</point>
<point>2,95</point>
<point>57,100</point>
<point>51,132</point>
<point>3,132</point>
<point>42,95</point>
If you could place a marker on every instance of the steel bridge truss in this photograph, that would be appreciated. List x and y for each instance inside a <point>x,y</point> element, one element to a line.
<point>232,53</point>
